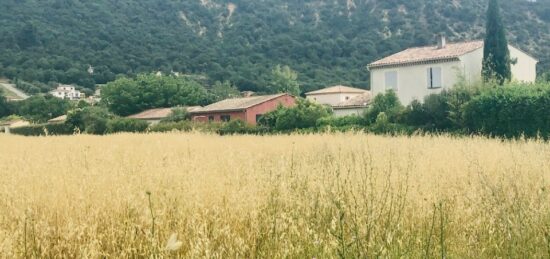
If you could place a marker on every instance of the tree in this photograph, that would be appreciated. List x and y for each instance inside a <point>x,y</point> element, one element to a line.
<point>304,115</point>
<point>41,108</point>
<point>387,103</point>
<point>284,80</point>
<point>91,120</point>
<point>496,55</point>
<point>224,90</point>
<point>127,96</point>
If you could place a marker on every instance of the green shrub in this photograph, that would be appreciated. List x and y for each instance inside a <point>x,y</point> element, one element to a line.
<point>186,126</point>
<point>304,114</point>
<point>239,127</point>
<point>44,130</point>
<point>387,103</point>
<point>126,125</point>
<point>511,111</point>
<point>90,120</point>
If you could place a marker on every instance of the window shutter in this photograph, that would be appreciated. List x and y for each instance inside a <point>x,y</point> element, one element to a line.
<point>429,78</point>
<point>436,76</point>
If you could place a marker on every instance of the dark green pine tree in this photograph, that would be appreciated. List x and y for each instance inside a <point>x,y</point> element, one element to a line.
<point>496,55</point>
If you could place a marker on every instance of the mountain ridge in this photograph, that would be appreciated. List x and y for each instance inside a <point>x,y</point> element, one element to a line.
<point>327,42</point>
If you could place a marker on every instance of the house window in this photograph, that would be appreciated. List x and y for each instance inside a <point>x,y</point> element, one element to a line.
<point>225,118</point>
<point>210,118</point>
<point>434,77</point>
<point>347,98</point>
<point>391,80</point>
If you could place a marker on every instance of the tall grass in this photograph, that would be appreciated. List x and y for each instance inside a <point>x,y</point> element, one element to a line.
<point>309,196</point>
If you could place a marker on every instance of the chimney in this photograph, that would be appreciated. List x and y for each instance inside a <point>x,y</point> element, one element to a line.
<point>441,41</point>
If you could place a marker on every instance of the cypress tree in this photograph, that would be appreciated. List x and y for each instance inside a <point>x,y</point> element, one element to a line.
<point>496,55</point>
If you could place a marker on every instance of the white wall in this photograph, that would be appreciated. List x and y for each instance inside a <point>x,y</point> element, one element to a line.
<point>412,81</point>
<point>525,70</point>
<point>349,111</point>
<point>331,99</point>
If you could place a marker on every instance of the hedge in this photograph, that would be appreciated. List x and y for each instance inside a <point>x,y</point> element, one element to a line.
<point>510,112</point>
<point>44,130</point>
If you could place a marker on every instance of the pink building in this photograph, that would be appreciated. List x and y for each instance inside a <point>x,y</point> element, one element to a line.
<point>248,109</point>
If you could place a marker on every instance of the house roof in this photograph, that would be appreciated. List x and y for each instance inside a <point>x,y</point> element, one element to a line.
<point>237,104</point>
<point>61,118</point>
<point>151,114</point>
<point>358,101</point>
<point>338,89</point>
<point>429,53</point>
<point>158,113</point>
<point>12,122</point>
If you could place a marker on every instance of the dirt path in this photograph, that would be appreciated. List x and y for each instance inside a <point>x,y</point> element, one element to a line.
<point>14,90</point>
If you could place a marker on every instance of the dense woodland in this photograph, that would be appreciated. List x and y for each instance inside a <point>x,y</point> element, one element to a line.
<point>241,41</point>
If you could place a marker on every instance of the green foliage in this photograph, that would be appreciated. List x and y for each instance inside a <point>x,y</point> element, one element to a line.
<point>284,80</point>
<point>90,120</point>
<point>186,126</point>
<point>126,125</point>
<point>326,42</point>
<point>44,130</point>
<point>5,107</point>
<point>496,55</point>
<point>239,127</point>
<point>41,108</point>
<point>224,90</point>
<point>178,114</point>
<point>303,115</point>
<point>432,114</point>
<point>388,103</point>
<point>510,111</point>
<point>127,96</point>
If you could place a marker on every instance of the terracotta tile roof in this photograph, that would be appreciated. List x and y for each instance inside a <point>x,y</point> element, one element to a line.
<point>159,113</point>
<point>430,53</point>
<point>61,118</point>
<point>337,89</point>
<point>358,101</point>
<point>237,104</point>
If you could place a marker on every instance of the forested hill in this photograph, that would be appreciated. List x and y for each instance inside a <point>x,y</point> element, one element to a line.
<point>325,41</point>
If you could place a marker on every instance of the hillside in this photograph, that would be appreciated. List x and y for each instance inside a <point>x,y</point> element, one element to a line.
<point>327,42</point>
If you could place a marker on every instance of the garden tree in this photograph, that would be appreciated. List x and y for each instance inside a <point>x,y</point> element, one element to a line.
<point>304,114</point>
<point>90,120</point>
<point>126,96</point>
<point>41,108</point>
<point>388,103</point>
<point>496,55</point>
<point>224,90</point>
<point>284,80</point>
<point>178,114</point>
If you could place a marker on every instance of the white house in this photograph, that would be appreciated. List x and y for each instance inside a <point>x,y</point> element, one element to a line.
<point>417,72</point>
<point>344,100</point>
<point>67,92</point>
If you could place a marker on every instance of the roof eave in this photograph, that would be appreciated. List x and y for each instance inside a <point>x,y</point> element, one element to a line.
<point>413,63</point>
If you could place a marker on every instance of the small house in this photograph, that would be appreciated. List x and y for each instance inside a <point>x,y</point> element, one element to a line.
<point>344,100</point>
<point>68,92</point>
<point>247,109</point>
<point>418,72</point>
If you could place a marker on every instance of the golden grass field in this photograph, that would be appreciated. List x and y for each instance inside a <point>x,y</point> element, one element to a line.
<point>309,196</point>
